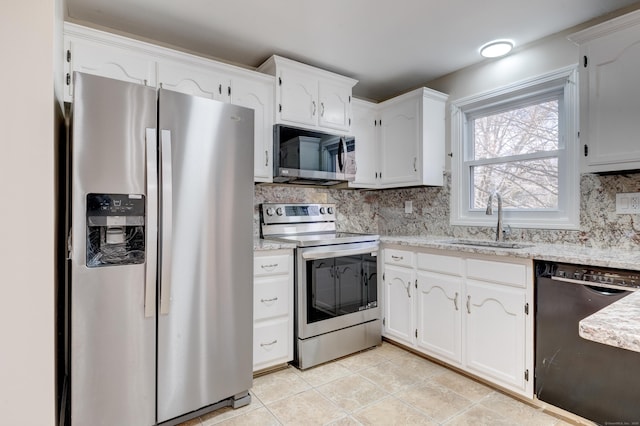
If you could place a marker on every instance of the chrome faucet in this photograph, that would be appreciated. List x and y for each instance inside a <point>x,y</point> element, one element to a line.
<point>499,230</point>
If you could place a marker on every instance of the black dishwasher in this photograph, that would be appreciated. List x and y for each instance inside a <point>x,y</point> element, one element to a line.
<point>596,381</point>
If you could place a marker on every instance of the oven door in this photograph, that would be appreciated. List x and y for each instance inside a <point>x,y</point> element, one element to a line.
<point>336,287</point>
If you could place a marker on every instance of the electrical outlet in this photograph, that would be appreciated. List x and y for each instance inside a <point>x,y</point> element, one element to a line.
<point>408,206</point>
<point>628,203</point>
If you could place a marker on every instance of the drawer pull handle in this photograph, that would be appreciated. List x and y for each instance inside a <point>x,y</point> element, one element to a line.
<point>269,344</point>
<point>394,257</point>
<point>273,299</point>
<point>455,301</point>
<point>270,267</point>
<point>468,304</point>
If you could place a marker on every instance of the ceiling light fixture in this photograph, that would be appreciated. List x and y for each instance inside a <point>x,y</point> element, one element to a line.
<point>496,48</point>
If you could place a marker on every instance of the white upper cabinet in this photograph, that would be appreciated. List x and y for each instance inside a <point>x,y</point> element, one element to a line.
<point>298,102</point>
<point>257,93</point>
<point>609,92</point>
<point>335,105</point>
<point>408,135</point>
<point>194,80</point>
<point>109,55</point>
<point>399,142</point>
<point>364,124</point>
<point>310,97</point>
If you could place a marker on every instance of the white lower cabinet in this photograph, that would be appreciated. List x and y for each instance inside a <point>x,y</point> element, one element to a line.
<point>398,312</point>
<point>439,322</point>
<point>495,333</point>
<point>272,308</point>
<point>468,310</point>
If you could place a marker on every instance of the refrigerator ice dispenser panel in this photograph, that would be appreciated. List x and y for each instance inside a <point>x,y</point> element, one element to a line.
<point>115,229</point>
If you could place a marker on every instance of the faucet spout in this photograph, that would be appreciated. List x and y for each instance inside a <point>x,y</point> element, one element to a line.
<point>499,227</point>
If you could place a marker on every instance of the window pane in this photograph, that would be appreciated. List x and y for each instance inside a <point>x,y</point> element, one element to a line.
<point>522,184</point>
<point>525,130</point>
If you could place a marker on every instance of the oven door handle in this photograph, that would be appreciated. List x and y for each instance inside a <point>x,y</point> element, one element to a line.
<point>314,255</point>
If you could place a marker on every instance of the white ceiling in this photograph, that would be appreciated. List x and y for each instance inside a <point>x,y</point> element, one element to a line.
<point>390,46</point>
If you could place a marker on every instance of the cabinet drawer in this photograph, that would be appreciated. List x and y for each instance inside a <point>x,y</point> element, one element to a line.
<point>271,265</point>
<point>437,263</point>
<point>497,272</point>
<point>398,257</point>
<point>271,297</point>
<point>270,342</point>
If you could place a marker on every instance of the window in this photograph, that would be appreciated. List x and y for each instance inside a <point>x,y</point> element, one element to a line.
<point>519,141</point>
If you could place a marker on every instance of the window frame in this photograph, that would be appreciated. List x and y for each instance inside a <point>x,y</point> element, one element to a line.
<point>563,82</point>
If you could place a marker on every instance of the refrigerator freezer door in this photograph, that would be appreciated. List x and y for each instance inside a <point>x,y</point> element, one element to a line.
<point>112,341</point>
<point>205,338</point>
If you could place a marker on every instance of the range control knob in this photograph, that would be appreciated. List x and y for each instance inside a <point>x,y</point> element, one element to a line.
<point>270,211</point>
<point>279,211</point>
<point>330,210</point>
<point>322,210</point>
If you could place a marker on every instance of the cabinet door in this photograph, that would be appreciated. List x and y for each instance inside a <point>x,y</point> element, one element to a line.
<point>335,105</point>
<point>109,61</point>
<point>258,95</point>
<point>399,138</point>
<point>192,80</point>
<point>298,97</point>
<point>399,304</point>
<point>612,96</point>
<point>439,315</point>
<point>495,332</point>
<point>365,130</point>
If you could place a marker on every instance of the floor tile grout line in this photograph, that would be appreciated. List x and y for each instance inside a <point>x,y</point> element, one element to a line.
<point>390,356</point>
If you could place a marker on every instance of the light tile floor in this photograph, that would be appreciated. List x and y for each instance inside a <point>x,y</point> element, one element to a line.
<point>382,386</point>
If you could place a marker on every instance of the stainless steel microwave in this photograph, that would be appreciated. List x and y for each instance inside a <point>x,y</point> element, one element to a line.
<point>309,157</point>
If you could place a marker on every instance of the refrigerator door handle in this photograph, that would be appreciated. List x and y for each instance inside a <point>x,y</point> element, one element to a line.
<point>167,220</point>
<point>152,224</point>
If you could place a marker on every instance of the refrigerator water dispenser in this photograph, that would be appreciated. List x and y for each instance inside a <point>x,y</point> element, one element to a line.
<point>115,229</point>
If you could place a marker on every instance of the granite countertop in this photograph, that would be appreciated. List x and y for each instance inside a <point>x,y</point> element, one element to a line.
<point>567,253</point>
<point>616,325</point>
<point>259,245</point>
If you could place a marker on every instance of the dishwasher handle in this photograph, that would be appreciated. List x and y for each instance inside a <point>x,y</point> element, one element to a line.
<point>596,286</point>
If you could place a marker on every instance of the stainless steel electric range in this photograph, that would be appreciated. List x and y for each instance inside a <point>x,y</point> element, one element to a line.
<point>336,281</point>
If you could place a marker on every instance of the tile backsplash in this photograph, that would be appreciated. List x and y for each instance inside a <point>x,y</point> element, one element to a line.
<point>382,211</point>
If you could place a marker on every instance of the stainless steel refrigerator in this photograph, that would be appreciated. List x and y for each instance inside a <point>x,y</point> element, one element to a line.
<point>161,243</point>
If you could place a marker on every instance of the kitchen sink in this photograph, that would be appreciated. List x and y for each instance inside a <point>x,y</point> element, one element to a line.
<point>484,243</point>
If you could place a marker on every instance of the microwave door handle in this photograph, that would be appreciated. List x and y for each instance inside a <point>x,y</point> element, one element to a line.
<point>341,154</point>
<point>167,220</point>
